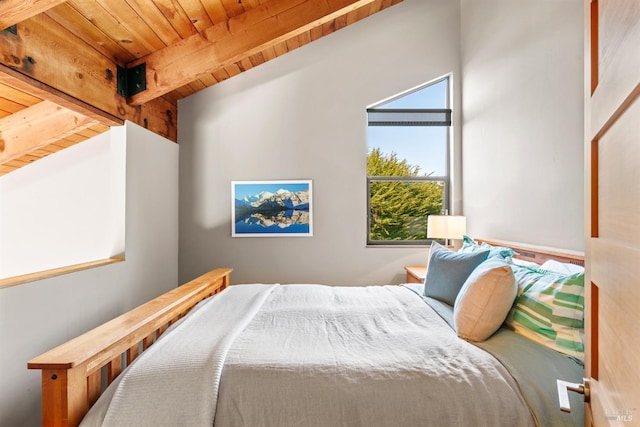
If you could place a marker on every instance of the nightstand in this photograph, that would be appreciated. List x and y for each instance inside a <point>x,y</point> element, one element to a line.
<point>416,273</point>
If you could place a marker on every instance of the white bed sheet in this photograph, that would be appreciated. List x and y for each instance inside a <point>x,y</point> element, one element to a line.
<point>315,355</point>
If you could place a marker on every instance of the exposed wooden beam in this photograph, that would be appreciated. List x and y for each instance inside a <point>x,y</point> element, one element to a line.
<point>234,40</point>
<point>22,132</point>
<point>14,11</point>
<point>55,61</point>
<point>13,78</point>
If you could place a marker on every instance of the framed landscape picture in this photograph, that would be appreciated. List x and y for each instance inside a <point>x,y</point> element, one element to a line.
<point>271,208</point>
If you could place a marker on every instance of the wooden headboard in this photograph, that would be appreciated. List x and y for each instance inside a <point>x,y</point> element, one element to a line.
<point>539,254</point>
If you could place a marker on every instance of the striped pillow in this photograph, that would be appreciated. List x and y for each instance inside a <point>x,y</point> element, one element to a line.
<point>549,309</point>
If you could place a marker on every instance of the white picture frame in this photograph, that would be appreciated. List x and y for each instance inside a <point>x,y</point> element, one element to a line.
<point>275,208</point>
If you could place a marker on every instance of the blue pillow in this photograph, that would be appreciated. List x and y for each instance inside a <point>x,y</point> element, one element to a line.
<point>448,270</point>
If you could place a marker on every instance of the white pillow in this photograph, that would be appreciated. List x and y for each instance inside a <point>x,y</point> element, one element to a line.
<point>484,300</point>
<point>561,267</point>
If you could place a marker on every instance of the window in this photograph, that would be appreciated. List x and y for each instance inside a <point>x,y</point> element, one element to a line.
<point>408,164</point>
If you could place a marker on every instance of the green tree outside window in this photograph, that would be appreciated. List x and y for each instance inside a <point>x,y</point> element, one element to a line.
<point>398,210</point>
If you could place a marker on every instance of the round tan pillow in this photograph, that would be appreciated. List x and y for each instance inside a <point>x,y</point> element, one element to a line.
<point>484,300</point>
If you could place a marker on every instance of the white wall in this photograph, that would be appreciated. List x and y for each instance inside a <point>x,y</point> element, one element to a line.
<point>37,316</point>
<point>522,63</point>
<point>302,116</point>
<point>64,210</point>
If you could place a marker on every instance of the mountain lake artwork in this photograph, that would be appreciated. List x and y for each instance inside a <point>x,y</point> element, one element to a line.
<point>271,208</point>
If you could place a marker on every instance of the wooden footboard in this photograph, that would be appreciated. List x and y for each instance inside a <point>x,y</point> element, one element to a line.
<point>75,373</point>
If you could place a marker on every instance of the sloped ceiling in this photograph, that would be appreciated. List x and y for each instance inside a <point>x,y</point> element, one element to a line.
<point>63,63</point>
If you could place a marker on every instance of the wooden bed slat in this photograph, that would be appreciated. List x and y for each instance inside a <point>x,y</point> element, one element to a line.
<point>148,340</point>
<point>161,330</point>
<point>72,372</point>
<point>132,353</point>
<point>94,387</point>
<point>114,367</point>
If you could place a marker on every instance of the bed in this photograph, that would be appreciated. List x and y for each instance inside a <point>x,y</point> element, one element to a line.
<point>207,353</point>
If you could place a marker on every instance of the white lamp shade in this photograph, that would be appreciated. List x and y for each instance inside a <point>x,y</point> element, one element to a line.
<point>446,226</point>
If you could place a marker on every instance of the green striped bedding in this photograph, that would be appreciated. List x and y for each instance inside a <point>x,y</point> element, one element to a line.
<point>549,309</point>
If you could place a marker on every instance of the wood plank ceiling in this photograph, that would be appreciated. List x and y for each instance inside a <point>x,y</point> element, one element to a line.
<point>60,61</point>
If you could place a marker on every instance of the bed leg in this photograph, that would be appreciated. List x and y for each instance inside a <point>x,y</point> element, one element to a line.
<point>64,397</point>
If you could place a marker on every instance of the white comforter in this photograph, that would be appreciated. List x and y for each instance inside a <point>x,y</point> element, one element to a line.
<point>311,355</point>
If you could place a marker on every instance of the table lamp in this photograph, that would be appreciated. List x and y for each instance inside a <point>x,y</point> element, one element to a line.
<point>447,227</point>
